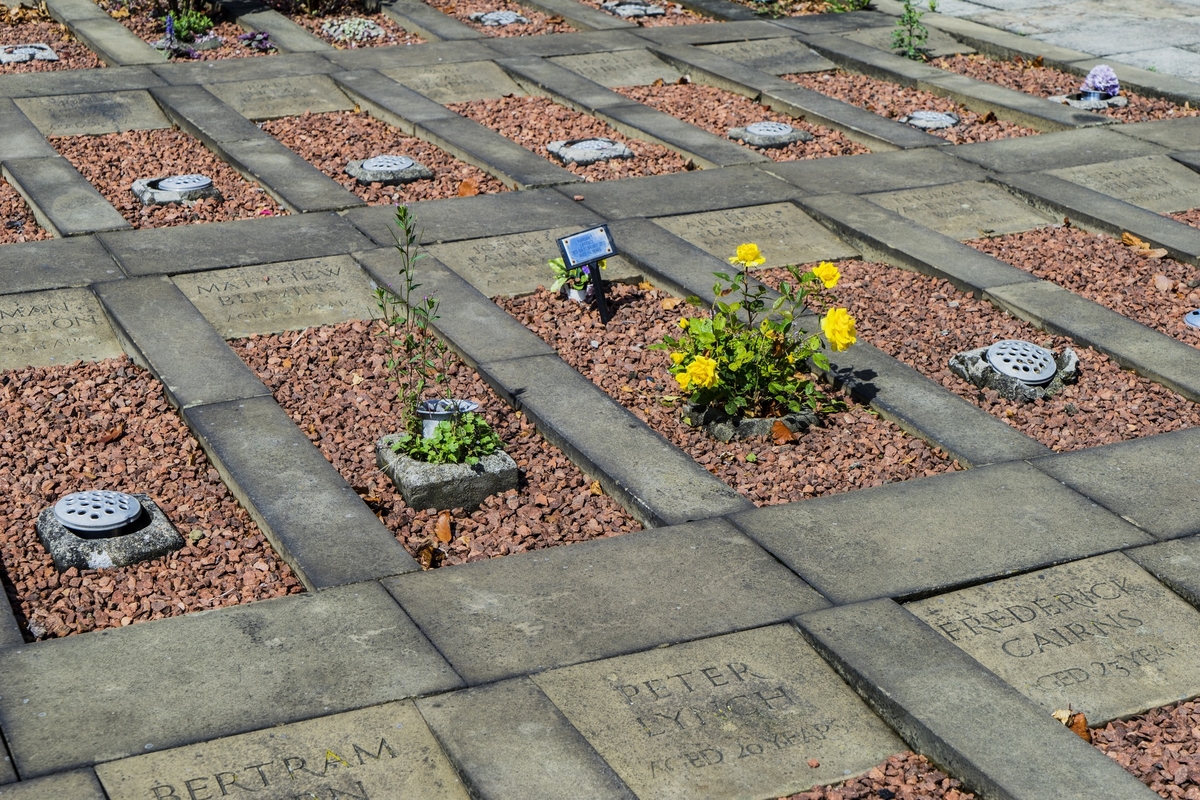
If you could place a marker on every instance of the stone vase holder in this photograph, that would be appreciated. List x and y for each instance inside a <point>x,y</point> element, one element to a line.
<point>174,189</point>
<point>973,367</point>
<point>432,412</point>
<point>441,486</point>
<point>151,535</point>
<point>724,428</point>
<point>1091,101</point>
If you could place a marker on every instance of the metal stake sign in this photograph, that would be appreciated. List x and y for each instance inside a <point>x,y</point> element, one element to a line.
<point>585,250</point>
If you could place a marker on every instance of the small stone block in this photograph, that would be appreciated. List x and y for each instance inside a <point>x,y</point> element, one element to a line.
<point>60,326</point>
<point>741,715</point>
<point>379,752</point>
<point>930,120</point>
<point>769,134</point>
<point>497,19</point>
<point>394,171</point>
<point>973,367</point>
<point>441,486</point>
<point>964,210</point>
<point>632,9</point>
<point>152,191</point>
<point>20,53</point>
<point>588,151</point>
<point>1100,634</point>
<point>154,536</point>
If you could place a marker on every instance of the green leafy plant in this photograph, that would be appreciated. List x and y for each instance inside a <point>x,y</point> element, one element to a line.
<point>577,278</point>
<point>750,359</point>
<point>910,35</point>
<point>419,363</point>
<point>844,6</point>
<point>191,24</point>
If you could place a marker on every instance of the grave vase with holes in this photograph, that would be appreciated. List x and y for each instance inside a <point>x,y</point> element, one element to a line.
<point>103,529</point>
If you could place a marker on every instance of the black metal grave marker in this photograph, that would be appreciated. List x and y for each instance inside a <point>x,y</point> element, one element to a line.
<point>585,250</point>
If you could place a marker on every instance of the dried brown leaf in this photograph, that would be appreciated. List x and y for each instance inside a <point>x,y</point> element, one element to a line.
<point>468,188</point>
<point>781,433</point>
<point>595,489</point>
<point>670,303</point>
<point>1129,240</point>
<point>114,433</point>
<point>443,527</point>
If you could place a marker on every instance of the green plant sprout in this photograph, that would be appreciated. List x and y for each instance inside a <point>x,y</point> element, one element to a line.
<point>910,35</point>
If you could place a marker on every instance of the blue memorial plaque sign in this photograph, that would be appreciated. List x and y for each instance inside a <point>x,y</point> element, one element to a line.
<point>585,250</point>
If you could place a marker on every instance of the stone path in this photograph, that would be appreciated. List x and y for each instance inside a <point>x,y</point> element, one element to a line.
<point>949,615</point>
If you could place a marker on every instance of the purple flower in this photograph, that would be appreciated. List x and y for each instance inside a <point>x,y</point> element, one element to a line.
<point>1102,79</point>
<point>170,28</point>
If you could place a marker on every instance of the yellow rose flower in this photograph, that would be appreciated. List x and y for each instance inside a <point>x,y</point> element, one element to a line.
<point>684,379</point>
<point>683,323</point>
<point>748,255</point>
<point>828,274</point>
<point>703,372</point>
<point>677,357</point>
<point>838,326</point>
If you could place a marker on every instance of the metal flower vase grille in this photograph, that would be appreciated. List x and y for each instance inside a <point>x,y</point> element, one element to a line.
<point>744,365</point>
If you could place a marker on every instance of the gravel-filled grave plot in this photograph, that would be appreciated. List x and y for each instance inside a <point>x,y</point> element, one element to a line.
<point>673,14</point>
<point>854,448</point>
<point>113,161</point>
<point>923,321</point>
<point>904,776</point>
<point>29,26</point>
<point>346,26</point>
<point>107,425</point>
<point>334,383</point>
<point>1161,748</point>
<point>1032,78</point>
<point>138,17</point>
<point>716,111</point>
<point>17,223</point>
<point>330,140</point>
<point>894,102</point>
<point>1152,291</point>
<point>534,122</point>
<point>538,23</point>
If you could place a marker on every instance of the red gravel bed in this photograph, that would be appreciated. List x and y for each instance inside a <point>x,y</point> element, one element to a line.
<point>71,54</point>
<point>56,421</point>
<point>17,223</point>
<point>333,383</point>
<point>539,23</point>
<point>534,122</point>
<point>1153,291</point>
<point>893,101</point>
<point>393,34</point>
<point>1048,82</point>
<point>113,161</point>
<point>136,16</point>
<point>923,321</point>
<point>854,449</point>
<point>1161,748</point>
<point>329,140</point>
<point>676,15</point>
<point>1189,217</point>
<point>904,776</point>
<point>716,111</point>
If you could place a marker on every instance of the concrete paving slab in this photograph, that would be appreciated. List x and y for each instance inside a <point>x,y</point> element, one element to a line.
<point>883,235</point>
<point>1150,482</point>
<point>859,125</point>
<point>565,605</point>
<point>929,535</point>
<point>90,114</point>
<point>77,785</point>
<point>115,44</point>
<point>314,519</point>
<point>481,331</point>
<point>549,78</point>
<point>73,11</point>
<point>876,60</point>
<point>1034,112</point>
<point>62,200</point>
<point>948,707</point>
<point>515,166</point>
<point>383,751</point>
<point>198,112</point>
<point>682,192</point>
<point>282,97</point>
<point>19,138</point>
<point>287,36</point>
<point>430,55</point>
<point>565,44</point>
<point>56,264</point>
<point>876,172</point>
<point>744,30</point>
<point>720,10</point>
<point>938,43</point>
<point>286,176</point>
<point>10,634</point>
<point>516,264</point>
<point>370,653</point>
<point>1159,357</point>
<point>458,82</point>
<point>999,43</point>
<point>662,485</point>
<point>1101,38</point>
<point>233,244</point>
<point>1174,563</point>
<point>77,81</point>
<point>165,333</point>
<point>209,73</point>
<point>964,210</point>
<point>1055,150</point>
<point>1176,134</point>
<point>60,326</point>
<point>511,743</point>
<point>391,101</point>
<point>1100,635</point>
<point>633,68</point>
<point>427,22</point>
<point>1156,183</point>
<point>734,716</point>
<point>579,16</point>
<point>784,233</point>
<point>288,296</point>
<point>705,149</point>
<point>821,24</point>
<point>773,56</point>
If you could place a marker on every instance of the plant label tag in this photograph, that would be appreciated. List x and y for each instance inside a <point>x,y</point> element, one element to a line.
<point>587,249</point>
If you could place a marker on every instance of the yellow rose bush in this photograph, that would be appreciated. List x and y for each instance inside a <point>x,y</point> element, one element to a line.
<point>749,358</point>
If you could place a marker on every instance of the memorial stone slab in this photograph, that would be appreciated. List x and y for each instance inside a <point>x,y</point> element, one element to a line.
<point>784,233</point>
<point>739,715</point>
<point>938,44</point>
<point>774,56</point>
<point>964,211</point>
<point>282,97</point>
<point>457,83</point>
<point>515,264</point>
<point>271,298</point>
<point>626,68</point>
<point>93,114</point>
<point>60,326</point>
<point>1100,635</point>
<point>382,752</point>
<point>1156,183</point>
